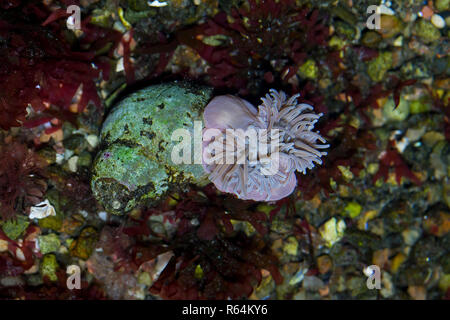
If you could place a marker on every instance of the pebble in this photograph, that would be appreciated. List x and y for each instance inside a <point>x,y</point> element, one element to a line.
<point>382,9</point>
<point>312,283</point>
<point>291,246</point>
<point>438,21</point>
<point>103,215</point>
<point>324,264</point>
<point>11,281</point>
<point>387,287</point>
<point>299,276</point>
<point>410,236</point>
<point>332,231</point>
<point>73,164</point>
<point>93,140</point>
<point>3,245</point>
<point>42,210</point>
<point>417,292</point>
<point>426,12</point>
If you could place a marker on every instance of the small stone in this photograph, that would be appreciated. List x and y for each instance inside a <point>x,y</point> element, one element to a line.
<point>414,134</point>
<point>372,168</point>
<point>337,42</point>
<point>371,39</point>
<point>76,143</point>
<point>103,215</point>
<point>215,40</point>
<point>299,275</point>
<point>42,210</point>
<point>442,83</point>
<point>383,9</point>
<point>332,231</point>
<point>438,21</point>
<point>387,287</point>
<point>265,208</point>
<point>397,261</point>
<point>356,285</point>
<point>51,222</point>
<point>437,223</point>
<point>85,159</point>
<point>312,283</point>
<point>378,67</point>
<point>11,281</point>
<point>145,279</point>
<point>444,282</point>
<point>390,26</point>
<point>291,246</point>
<point>346,173</point>
<point>410,236</point>
<point>308,70</point>
<point>419,106</point>
<point>3,245</point>
<point>19,254</point>
<point>398,42</point>
<point>431,138</point>
<point>72,225</point>
<point>265,288</point>
<point>157,265</point>
<point>300,295</point>
<point>198,272</point>
<point>417,292</point>
<point>442,5</point>
<point>92,140</point>
<point>84,245</point>
<point>73,163</point>
<point>324,264</point>
<point>365,218</point>
<point>426,12</point>
<point>381,257</point>
<point>49,243</point>
<point>324,291</point>
<point>353,209</point>
<point>48,268</point>
<point>48,154</point>
<point>345,30</point>
<point>393,113</point>
<point>426,31</point>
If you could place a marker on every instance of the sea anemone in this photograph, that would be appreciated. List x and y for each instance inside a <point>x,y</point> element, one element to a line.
<point>294,146</point>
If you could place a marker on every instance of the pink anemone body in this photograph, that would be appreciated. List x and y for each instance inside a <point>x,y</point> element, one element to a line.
<point>290,145</point>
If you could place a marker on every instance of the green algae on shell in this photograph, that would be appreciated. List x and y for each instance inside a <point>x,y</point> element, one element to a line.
<point>134,165</point>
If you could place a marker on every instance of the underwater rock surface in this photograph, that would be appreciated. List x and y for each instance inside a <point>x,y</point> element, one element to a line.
<point>134,163</point>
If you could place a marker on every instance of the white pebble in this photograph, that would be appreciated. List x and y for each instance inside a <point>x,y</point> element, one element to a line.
<point>437,21</point>
<point>73,163</point>
<point>42,210</point>
<point>103,215</point>
<point>382,9</point>
<point>92,139</point>
<point>156,3</point>
<point>120,66</point>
